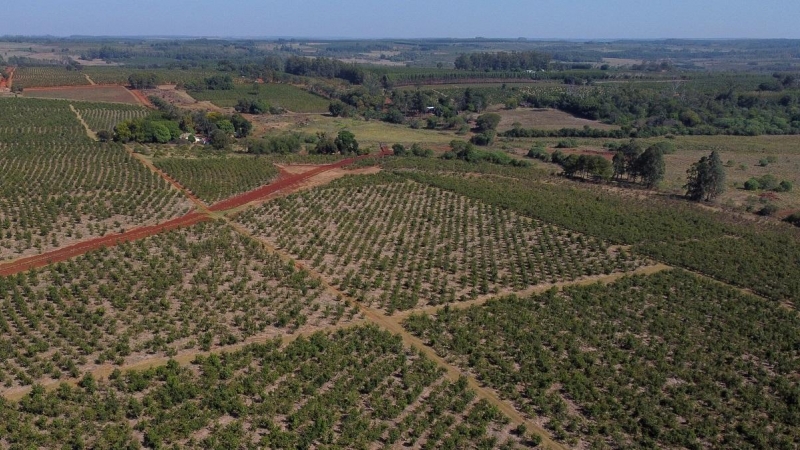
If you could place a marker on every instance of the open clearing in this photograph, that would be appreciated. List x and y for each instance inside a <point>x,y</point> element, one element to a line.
<point>108,94</point>
<point>545,119</point>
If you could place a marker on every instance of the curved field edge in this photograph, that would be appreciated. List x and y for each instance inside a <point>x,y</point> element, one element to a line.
<point>664,360</point>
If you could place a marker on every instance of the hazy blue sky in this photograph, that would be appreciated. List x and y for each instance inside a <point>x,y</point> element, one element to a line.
<point>408,18</point>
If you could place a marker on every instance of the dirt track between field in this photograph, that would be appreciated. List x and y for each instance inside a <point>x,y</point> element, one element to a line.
<point>285,184</point>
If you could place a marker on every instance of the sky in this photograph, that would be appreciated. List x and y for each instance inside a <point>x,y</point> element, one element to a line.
<point>544,19</point>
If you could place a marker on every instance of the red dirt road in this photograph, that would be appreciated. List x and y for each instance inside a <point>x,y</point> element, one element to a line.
<point>285,182</point>
<point>110,240</point>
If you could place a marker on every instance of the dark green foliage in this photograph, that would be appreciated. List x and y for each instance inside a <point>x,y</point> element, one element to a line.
<point>648,362</point>
<point>503,61</point>
<point>219,139</point>
<point>326,145</point>
<point>143,80</point>
<point>540,153</point>
<point>487,122</point>
<point>346,143</point>
<point>767,182</point>
<point>650,166</point>
<point>793,219</point>
<point>706,178</point>
<point>280,144</point>
<point>399,150</point>
<point>252,106</point>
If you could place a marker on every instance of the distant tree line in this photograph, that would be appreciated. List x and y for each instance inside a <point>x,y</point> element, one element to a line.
<point>324,68</point>
<point>502,61</point>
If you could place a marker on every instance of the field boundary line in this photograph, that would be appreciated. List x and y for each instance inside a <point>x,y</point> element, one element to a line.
<point>89,131</point>
<point>389,323</point>
<point>201,205</point>
<point>537,289</point>
<point>91,82</point>
<point>102,372</point>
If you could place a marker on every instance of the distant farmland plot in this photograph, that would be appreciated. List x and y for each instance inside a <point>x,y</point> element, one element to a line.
<point>102,116</point>
<point>111,94</point>
<point>29,77</point>
<point>286,96</point>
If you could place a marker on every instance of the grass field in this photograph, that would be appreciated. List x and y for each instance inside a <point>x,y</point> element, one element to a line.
<point>544,119</point>
<point>286,96</point>
<point>110,94</point>
<point>662,361</point>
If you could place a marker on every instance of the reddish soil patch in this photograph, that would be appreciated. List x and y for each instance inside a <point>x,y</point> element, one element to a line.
<point>110,240</point>
<point>108,94</point>
<point>6,83</point>
<point>142,98</point>
<point>284,182</point>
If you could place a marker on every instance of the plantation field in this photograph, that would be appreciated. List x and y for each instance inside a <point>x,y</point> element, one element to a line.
<point>757,256</point>
<point>119,75</point>
<point>544,119</point>
<point>59,187</point>
<point>662,361</point>
<point>109,94</point>
<point>286,96</point>
<point>102,116</point>
<point>32,77</point>
<point>353,389</point>
<point>402,245</point>
<point>217,178</point>
<point>190,289</point>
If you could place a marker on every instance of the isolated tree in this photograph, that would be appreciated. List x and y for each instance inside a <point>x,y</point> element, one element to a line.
<point>104,136</point>
<point>326,145</point>
<point>219,139</point>
<point>346,142</point>
<point>487,122</point>
<point>399,150</point>
<point>337,108</point>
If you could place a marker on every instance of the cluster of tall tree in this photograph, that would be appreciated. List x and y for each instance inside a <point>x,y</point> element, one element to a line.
<point>325,68</point>
<point>637,164</point>
<point>170,123</point>
<point>141,80</point>
<point>706,178</point>
<point>505,61</point>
